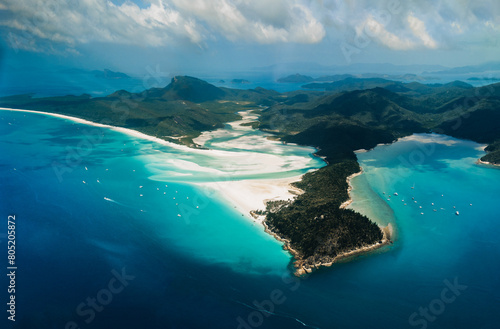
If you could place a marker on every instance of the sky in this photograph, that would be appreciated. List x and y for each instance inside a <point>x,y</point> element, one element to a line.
<point>182,35</point>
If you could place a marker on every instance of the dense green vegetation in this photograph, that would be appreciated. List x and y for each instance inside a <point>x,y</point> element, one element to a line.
<point>493,155</point>
<point>346,118</point>
<point>314,223</point>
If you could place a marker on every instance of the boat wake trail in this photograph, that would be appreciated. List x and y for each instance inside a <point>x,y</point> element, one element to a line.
<point>111,200</point>
<point>123,205</point>
<point>283,315</point>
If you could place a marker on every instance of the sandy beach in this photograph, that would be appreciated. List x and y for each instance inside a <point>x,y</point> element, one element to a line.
<point>248,195</point>
<point>245,194</point>
<point>251,195</point>
<point>95,124</point>
<point>345,204</point>
<point>488,164</point>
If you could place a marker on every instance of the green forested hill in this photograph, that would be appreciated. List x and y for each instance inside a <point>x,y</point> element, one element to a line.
<point>347,120</point>
<point>186,107</point>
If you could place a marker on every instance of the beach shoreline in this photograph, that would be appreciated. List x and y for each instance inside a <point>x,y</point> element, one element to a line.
<point>345,204</point>
<point>127,131</point>
<point>247,195</point>
<point>487,164</point>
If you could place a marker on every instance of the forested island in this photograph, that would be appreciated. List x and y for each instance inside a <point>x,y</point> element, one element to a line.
<point>349,115</point>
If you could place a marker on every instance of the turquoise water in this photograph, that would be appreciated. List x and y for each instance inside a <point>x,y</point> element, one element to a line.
<point>437,176</point>
<point>76,193</point>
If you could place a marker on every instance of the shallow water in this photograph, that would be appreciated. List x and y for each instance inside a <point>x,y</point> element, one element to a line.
<point>76,193</point>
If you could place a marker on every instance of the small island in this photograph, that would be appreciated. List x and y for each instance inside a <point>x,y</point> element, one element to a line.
<point>239,81</point>
<point>296,78</point>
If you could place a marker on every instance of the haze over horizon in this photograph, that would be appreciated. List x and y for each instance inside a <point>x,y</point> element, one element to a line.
<point>189,36</point>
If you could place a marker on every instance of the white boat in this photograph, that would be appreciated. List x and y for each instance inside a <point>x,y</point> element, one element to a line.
<point>457,213</point>
<point>396,193</point>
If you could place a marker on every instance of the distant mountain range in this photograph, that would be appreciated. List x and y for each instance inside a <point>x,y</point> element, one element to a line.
<point>359,68</point>
<point>482,69</point>
<point>65,81</point>
<point>299,78</point>
<point>108,74</point>
<point>296,78</point>
<point>313,73</point>
<point>104,74</point>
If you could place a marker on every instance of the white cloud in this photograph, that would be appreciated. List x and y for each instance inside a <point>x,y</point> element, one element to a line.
<point>73,23</point>
<point>278,21</point>
<point>406,25</point>
<point>396,25</point>
<point>162,22</point>
<point>420,31</point>
<point>376,30</point>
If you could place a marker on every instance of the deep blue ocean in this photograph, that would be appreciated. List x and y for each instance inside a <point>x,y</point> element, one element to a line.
<point>102,241</point>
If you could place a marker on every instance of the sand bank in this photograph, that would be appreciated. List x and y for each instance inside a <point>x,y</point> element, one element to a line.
<point>246,194</point>
<point>251,195</point>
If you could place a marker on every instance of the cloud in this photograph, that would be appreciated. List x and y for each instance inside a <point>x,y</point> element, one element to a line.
<point>260,21</point>
<point>161,23</point>
<point>73,23</point>
<point>376,30</point>
<point>420,31</point>
<point>406,25</point>
<point>393,24</point>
